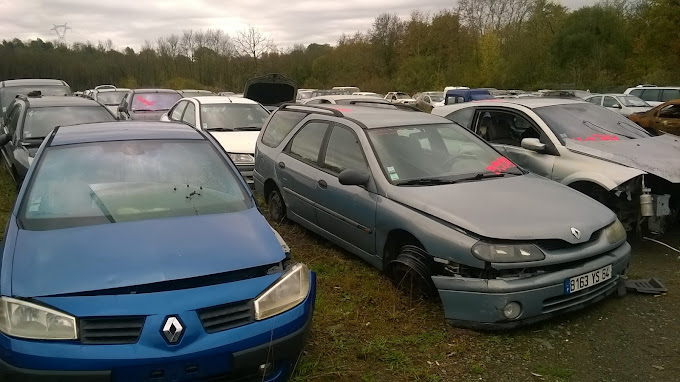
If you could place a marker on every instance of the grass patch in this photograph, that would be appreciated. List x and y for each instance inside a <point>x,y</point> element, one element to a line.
<point>560,372</point>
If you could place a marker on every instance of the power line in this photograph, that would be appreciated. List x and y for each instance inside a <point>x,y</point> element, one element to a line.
<point>60,30</point>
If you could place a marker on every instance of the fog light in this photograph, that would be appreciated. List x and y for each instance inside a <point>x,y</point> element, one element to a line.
<point>512,310</point>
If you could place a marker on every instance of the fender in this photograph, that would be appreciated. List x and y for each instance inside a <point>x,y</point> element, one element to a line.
<point>601,179</point>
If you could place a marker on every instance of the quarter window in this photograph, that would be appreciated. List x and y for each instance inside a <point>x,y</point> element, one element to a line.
<point>670,94</point>
<point>595,100</point>
<point>176,114</point>
<point>344,151</point>
<point>650,95</point>
<point>190,114</point>
<point>279,126</point>
<point>306,144</point>
<point>462,117</point>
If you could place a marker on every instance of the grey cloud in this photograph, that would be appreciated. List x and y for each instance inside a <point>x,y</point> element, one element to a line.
<point>131,23</point>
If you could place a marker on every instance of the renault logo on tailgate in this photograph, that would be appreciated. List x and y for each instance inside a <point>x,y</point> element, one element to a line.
<point>576,233</point>
<point>172,330</point>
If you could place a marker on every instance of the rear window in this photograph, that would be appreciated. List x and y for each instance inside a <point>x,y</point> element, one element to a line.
<point>154,101</point>
<point>9,93</point>
<point>123,181</point>
<point>40,121</point>
<point>111,98</point>
<point>281,123</point>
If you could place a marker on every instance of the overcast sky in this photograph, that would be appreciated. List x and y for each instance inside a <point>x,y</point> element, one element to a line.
<point>131,22</point>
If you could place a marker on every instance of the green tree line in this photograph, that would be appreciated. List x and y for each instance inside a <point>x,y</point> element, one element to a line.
<point>506,44</point>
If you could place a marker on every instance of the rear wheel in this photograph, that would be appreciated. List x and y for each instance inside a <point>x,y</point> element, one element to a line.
<point>277,208</point>
<point>410,272</point>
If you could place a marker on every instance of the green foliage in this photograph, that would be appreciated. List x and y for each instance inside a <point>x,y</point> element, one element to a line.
<point>491,43</point>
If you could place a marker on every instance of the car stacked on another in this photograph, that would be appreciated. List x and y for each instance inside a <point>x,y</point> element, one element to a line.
<point>623,104</point>
<point>147,104</point>
<point>441,212</point>
<point>9,89</point>
<point>234,122</point>
<point>30,119</point>
<point>136,252</point>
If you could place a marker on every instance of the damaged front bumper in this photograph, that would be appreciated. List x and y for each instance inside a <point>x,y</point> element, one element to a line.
<point>479,303</point>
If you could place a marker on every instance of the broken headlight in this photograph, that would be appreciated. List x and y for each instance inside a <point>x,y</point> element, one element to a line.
<point>23,319</point>
<point>507,253</point>
<point>615,232</point>
<point>287,292</point>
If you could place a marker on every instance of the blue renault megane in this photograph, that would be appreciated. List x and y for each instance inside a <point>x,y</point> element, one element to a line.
<point>135,252</point>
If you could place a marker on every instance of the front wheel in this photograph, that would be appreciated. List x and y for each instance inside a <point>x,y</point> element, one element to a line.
<point>410,272</point>
<point>277,208</point>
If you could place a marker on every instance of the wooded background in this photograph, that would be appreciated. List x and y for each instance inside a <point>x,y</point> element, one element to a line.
<point>506,44</point>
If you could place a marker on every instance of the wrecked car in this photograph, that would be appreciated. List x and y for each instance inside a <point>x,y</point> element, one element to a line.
<point>271,90</point>
<point>440,211</point>
<point>663,118</point>
<point>586,147</point>
<point>135,252</point>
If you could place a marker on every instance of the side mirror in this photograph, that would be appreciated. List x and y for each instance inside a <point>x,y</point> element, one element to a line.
<point>616,106</point>
<point>5,138</point>
<point>354,178</point>
<point>533,144</point>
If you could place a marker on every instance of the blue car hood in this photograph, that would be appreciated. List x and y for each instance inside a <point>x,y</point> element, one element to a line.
<point>117,255</point>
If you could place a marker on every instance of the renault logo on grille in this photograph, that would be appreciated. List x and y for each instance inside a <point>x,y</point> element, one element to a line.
<point>172,330</point>
<point>576,233</point>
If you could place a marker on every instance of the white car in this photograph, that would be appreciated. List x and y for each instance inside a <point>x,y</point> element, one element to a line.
<point>234,122</point>
<point>369,94</point>
<point>400,97</point>
<point>109,96</point>
<point>655,95</point>
<point>624,104</point>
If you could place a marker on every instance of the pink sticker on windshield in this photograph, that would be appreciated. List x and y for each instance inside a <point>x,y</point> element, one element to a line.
<point>499,165</point>
<point>598,137</point>
<point>145,101</point>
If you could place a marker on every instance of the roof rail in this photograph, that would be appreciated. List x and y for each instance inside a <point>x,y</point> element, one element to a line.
<point>371,101</point>
<point>335,112</point>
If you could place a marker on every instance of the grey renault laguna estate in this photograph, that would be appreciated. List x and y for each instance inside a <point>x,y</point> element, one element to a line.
<point>441,212</point>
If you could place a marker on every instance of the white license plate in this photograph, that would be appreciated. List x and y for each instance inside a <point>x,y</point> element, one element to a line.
<point>586,280</point>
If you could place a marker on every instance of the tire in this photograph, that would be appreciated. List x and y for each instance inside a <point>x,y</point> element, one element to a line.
<point>410,272</point>
<point>277,207</point>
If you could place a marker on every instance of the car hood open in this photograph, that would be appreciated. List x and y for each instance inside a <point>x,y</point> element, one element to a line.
<point>659,156</point>
<point>240,142</point>
<point>525,207</point>
<point>271,89</point>
<point>107,256</point>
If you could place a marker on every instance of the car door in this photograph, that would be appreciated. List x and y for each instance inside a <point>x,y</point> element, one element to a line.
<point>297,168</point>
<point>668,119</point>
<point>505,129</point>
<point>13,119</point>
<point>347,212</point>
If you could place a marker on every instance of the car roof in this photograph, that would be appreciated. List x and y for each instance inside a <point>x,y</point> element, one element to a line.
<point>531,103</point>
<point>213,100</point>
<point>351,97</point>
<point>32,82</point>
<point>653,88</point>
<point>55,101</point>
<point>122,131</point>
<point>155,91</point>
<point>108,90</point>
<point>610,95</point>
<point>369,117</point>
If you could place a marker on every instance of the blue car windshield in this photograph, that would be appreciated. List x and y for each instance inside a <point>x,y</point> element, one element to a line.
<point>123,181</point>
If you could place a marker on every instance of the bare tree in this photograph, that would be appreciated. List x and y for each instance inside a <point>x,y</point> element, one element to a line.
<point>252,43</point>
<point>483,15</point>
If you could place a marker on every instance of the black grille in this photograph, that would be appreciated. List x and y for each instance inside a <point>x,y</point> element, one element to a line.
<point>111,330</point>
<point>227,316</point>
<point>557,244</point>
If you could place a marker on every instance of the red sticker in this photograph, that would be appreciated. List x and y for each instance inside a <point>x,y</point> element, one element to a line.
<point>598,137</point>
<point>144,101</point>
<point>499,165</point>
<point>342,110</point>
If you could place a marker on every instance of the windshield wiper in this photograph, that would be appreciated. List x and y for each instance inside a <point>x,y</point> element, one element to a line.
<point>483,175</point>
<point>219,129</point>
<point>603,129</point>
<point>245,128</point>
<point>625,125</point>
<point>425,182</point>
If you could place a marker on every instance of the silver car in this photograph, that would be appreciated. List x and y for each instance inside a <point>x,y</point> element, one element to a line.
<point>623,104</point>
<point>440,211</point>
<point>586,147</point>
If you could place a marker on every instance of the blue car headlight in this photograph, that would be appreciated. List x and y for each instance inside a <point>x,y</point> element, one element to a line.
<point>507,253</point>
<point>287,292</point>
<point>23,319</point>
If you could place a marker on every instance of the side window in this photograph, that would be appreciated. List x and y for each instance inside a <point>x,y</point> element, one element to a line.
<point>344,151</point>
<point>280,124</point>
<point>670,94</point>
<point>190,114</point>
<point>313,102</point>
<point>670,111</point>
<point>504,128</point>
<point>637,92</point>
<point>650,95</point>
<point>595,100</point>
<point>427,99</point>
<point>176,113</point>
<point>13,119</point>
<point>610,102</point>
<point>462,117</point>
<point>306,145</point>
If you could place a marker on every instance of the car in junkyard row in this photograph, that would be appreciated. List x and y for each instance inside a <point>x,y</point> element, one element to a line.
<point>586,147</point>
<point>135,252</point>
<point>146,104</point>
<point>664,118</point>
<point>441,212</point>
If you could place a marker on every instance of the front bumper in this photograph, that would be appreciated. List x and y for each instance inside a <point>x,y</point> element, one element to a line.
<point>231,355</point>
<point>479,303</point>
<point>246,171</point>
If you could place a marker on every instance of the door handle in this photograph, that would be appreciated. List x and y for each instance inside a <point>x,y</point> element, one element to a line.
<point>282,165</point>
<point>323,184</point>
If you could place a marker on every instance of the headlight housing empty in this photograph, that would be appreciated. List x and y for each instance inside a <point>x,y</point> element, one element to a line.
<point>24,319</point>
<point>615,232</point>
<point>242,158</point>
<point>507,253</point>
<point>287,292</point>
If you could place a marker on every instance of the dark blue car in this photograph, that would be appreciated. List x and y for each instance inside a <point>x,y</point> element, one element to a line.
<point>135,252</point>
